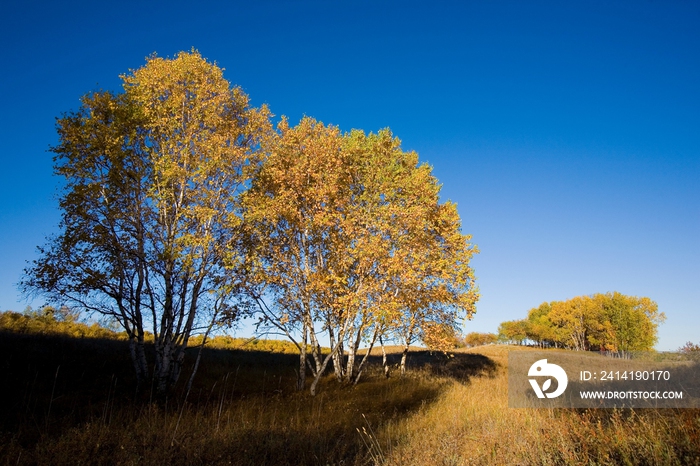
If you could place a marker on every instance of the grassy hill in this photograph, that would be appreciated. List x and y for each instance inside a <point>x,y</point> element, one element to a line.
<point>472,424</point>
<point>68,400</point>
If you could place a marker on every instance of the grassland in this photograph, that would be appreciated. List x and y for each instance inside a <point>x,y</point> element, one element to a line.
<point>71,401</point>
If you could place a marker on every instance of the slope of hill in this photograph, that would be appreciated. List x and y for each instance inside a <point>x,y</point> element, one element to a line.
<point>71,401</point>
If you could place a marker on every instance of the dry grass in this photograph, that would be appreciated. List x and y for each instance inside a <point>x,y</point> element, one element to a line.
<point>472,424</point>
<point>71,401</point>
<point>243,410</point>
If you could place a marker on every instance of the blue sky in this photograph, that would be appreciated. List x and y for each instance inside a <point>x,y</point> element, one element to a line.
<point>568,133</point>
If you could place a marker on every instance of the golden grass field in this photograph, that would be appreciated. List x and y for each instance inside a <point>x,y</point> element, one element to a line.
<point>472,424</point>
<point>70,401</point>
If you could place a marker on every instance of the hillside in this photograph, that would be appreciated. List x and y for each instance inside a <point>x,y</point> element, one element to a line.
<point>71,401</point>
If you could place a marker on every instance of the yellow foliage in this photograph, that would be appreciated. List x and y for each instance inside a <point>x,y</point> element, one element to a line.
<point>48,325</point>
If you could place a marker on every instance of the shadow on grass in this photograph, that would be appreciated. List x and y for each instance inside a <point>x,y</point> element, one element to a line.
<point>458,366</point>
<point>71,401</point>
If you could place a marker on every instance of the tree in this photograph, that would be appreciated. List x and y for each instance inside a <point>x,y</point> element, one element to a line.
<point>580,322</point>
<point>408,251</point>
<point>513,331</point>
<point>689,348</point>
<point>150,231</point>
<point>347,234</point>
<point>540,327</point>
<point>632,321</point>
<point>610,322</point>
<point>478,339</point>
<point>436,289</point>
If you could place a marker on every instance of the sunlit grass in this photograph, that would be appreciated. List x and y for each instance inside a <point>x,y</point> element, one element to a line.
<point>243,410</point>
<point>472,424</point>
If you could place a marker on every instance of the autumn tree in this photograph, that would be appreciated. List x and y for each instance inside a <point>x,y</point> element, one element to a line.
<point>513,331</point>
<point>436,283</point>
<point>632,322</point>
<point>293,214</point>
<point>347,233</point>
<point>149,230</point>
<point>580,322</point>
<point>689,348</point>
<point>408,251</point>
<point>610,322</point>
<point>478,339</point>
<point>540,327</point>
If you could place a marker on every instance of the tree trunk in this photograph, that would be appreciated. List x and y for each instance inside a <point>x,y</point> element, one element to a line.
<point>318,375</point>
<point>407,342</point>
<point>323,366</point>
<point>140,376</point>
<point>141,356</point>
<point>301,375</point>
<point>164,354</point>
<point>199,358</point>
<point>350,368</point>
<point>403,360</point>
<point>315,346</point>
<point>365,357</point>
<point>338,359</point>
<point>385,365</point>
<point>350,372</point>
<point>179,349</point>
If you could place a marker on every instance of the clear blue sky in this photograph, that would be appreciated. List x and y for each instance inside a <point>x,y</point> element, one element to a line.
<point>568,133</point>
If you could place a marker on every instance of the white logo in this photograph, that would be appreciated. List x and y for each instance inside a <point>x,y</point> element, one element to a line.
<point>542,368</point>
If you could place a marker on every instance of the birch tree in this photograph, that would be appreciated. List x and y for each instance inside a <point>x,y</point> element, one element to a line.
<point>632,322</point>
<point>579,320</point>
<point>294,214</point>
<point>438,289</point>
<point>602,321</point>
<point>348,233</point>
<point>150,231</point>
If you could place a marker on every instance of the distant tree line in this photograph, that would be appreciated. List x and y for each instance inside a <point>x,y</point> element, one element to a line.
<point>473,339</point>
<point>606,322</point>
<point>185,208</point>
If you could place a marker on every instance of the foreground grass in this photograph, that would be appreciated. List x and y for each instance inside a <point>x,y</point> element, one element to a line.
<point>472,424</point>
<point>70,401</point>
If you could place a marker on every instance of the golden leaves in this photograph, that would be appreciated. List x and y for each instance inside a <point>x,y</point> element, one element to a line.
<point>610,321</point>
<point>354,223</point>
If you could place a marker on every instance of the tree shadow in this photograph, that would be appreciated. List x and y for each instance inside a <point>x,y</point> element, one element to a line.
<point>73,398</point>
<point>278,425</point>
<point>457,366</point>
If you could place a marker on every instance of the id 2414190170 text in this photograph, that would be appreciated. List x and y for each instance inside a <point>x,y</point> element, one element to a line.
<point>625,375</point>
